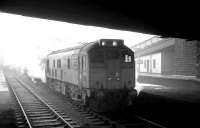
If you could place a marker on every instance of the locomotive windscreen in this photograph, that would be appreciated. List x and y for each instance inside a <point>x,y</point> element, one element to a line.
<point>112,54</point>
<point>97,56</point>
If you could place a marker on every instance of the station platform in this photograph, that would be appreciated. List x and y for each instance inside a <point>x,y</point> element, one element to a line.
<point>181,93</point>
<point>183,88</point>
<point>172,100</point>
<point>177,77</point>
<point>7,119</point>
<point>189,82</point>
<point>171,105</point>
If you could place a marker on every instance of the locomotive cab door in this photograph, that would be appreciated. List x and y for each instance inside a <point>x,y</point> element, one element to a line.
<point>113,69</point>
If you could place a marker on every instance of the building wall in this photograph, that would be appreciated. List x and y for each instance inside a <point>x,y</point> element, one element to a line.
<point>178,57</point>
<point>198,59</point>
<point>149,64</point>
<point>185,57</point>
<point>167,60</point>
<point>156,63</point>
<point>143,63</point>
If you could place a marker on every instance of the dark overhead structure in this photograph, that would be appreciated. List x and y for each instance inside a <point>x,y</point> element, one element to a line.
<point>165,19</point>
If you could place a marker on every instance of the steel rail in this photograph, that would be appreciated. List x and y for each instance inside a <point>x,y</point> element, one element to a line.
<point>151,122</point>
<point>57,114</point>
<point>25,85</point>
<point>21,107</point>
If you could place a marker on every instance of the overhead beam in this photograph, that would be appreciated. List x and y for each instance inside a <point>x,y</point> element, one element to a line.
<point>167,20</point>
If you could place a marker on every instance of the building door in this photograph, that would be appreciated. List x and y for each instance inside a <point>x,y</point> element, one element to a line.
<point>148,66</point>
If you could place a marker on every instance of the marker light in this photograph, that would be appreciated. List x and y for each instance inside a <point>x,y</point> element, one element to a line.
<point>103,43</point>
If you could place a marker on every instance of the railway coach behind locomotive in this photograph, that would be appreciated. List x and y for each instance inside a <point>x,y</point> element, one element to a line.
<point>101,74</point>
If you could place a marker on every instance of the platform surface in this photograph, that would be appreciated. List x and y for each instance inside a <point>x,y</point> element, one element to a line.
<point>189,93</point>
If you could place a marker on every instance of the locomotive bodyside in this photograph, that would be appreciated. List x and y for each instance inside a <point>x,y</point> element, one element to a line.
<point>101,74</point>
<point>63,75</point>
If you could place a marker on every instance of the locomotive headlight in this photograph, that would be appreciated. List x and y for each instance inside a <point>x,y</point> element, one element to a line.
<point>114,43</point>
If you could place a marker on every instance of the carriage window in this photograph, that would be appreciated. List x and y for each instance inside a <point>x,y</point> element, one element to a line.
<point>74,62</point>
<point>55,73</point>
<point>54,63</point>
<point>59,63</point>
<point>48,69</point>
<point>52,72</point>
<point>85,62</point>
<point>68,63</point>
<point>97,56</point>
<point>82,62</point>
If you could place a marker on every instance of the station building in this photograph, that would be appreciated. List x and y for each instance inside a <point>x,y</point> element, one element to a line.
<point>167,57</point>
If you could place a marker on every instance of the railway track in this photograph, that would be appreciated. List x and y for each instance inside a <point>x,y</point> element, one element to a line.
<point>37,112</point>
<point>133,121</point>
<point>105,121</point>
<point>43,113</point>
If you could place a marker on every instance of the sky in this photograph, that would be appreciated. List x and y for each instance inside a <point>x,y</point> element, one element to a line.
<point>25,40</point>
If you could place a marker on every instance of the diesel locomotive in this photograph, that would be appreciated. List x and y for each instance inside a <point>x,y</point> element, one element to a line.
<point>100,74</point>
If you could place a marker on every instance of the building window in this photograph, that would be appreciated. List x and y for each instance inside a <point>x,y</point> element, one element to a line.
<point>154,63</point>
<point>61,74</point>
<point>141,61</point>
<point>145,64</point>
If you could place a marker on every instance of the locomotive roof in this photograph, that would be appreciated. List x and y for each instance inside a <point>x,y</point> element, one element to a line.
<point>65,50</point>
<point>71,48</point>
<point>84,47</point>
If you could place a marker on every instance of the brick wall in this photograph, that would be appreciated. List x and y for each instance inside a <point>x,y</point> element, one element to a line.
<point>178,56</point>
<point>198,59</point>
<point>185,57</point>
